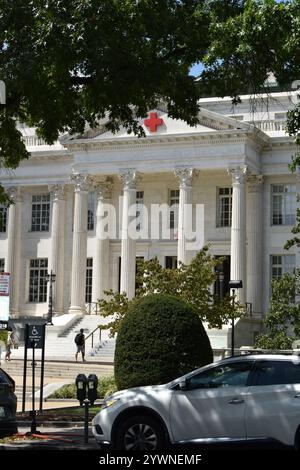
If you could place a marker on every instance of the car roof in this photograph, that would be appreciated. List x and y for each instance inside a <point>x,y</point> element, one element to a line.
<point>265,357</point>
<point>295,358</point>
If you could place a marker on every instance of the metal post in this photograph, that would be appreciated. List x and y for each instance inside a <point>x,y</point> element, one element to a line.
<point>25,368</point>
<point>33,412</point>
<point>86,421</point>
<point>232,324</point>
<point>42,368</point>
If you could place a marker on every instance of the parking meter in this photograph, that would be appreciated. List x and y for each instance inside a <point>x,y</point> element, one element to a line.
<point>92,388</point>
<point>81,382</point>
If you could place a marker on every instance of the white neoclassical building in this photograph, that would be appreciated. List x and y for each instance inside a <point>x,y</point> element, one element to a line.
<point>233,166</point>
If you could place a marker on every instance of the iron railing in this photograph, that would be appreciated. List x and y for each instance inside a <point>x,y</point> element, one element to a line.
<point>92,308</point>
<point>93,333</point>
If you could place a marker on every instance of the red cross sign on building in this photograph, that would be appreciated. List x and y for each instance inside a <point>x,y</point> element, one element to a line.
<point>153,122</point>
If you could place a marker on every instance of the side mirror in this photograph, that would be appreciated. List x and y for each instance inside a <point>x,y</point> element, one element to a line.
<point>183,385</point>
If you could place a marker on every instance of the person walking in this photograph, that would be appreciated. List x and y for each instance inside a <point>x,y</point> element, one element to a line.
<point>9,345</point>
<point>80,343</point>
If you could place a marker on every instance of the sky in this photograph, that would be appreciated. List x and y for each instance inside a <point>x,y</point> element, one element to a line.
<point>196,69</point>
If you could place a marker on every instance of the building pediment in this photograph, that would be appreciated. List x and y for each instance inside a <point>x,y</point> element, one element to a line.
<point>159,124</point>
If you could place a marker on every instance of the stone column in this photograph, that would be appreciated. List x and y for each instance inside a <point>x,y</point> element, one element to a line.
<point>14,247</point>
<point>129,180</point>
<point>56,263</point>
<point>101,259</point>
<point>185,176</point>
<point>238,229</point>
<point>82,183</point>
<point>254,236</point>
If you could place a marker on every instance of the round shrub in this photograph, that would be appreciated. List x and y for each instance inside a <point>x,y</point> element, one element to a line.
<point>160,338</point>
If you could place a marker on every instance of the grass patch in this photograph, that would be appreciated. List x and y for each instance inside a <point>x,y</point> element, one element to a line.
<point>106,386</point>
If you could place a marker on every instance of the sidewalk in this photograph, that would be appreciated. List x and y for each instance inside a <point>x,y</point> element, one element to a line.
<point>52,438</point>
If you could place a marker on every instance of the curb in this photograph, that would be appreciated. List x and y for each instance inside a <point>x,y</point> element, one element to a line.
<point>48,424</point>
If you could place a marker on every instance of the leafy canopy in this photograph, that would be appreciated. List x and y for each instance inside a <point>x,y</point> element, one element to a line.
<point>191,283</point>
<point>71,63</point>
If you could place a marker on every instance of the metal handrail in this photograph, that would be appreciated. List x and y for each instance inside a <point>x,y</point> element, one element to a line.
<point>92,335</point>
<point>92,308</point>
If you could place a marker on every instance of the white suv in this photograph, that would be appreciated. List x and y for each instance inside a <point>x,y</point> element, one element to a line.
<point>242,398</point>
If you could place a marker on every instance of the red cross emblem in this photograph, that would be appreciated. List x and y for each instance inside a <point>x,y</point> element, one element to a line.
<point>153,122</point>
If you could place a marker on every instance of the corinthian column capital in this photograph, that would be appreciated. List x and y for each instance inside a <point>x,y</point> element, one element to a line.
<point>238,174</point>
<point>82,182</point>
<point>103,189</point>
<point>185,176</point>
<point>57,191</point>
<point>129,178</point>
<point>14,193</point>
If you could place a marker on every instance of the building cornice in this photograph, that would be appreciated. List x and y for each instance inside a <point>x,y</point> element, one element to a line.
<point>204,138</point>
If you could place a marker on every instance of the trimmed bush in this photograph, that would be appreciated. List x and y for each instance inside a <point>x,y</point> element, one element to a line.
<point>106,386</point>
<point>160,338</point>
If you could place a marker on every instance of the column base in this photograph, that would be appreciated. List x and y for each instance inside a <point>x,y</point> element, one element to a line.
<point>77,310</point>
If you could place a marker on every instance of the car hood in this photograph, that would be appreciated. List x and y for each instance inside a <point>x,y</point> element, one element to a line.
<point>137,391</point>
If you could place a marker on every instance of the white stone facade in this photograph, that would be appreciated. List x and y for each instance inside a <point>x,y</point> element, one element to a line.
<point>243,150</point>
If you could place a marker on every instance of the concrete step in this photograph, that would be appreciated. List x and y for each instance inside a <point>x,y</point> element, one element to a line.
<point>58,369</point>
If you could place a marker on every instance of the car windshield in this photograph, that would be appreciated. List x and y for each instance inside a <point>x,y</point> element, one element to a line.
<point>225,375</point>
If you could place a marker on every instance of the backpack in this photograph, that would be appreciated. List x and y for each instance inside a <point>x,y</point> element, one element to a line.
<point>79,339</point>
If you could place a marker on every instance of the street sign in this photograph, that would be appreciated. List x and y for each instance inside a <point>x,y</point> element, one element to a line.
<point>35,336</point>
<point>4,296</point>
<point>3,325</point>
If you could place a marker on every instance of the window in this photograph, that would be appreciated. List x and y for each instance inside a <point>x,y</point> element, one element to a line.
<point>40,213</point>
<point>282,264</point>
<point>89,280</point>
<point>276,373</point>
<point>284,204</point>
<point>224,207</point>
<point>234,374</point>
<point>91,211</point>
<point>2,265</point>
<point>139,209</point>
<point>37,280</point>
<point>173,203</point>
<point>3,218</point>
<point>221,285</point>
<point>171,262</point>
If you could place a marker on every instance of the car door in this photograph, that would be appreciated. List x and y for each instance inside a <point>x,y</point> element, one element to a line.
<point>213,406</point>
<point>273,406</point>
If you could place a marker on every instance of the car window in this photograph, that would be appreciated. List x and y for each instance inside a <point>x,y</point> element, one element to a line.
<point>233,374</point>
<point>276,373</point>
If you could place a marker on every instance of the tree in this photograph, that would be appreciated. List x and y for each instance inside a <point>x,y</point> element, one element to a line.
<point>160,339</point>
<point>190,283</point>
<point>67,64</point>
<point>71,63</point>
<point>283,319</point>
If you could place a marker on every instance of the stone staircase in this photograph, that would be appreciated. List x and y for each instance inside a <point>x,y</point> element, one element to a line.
<point>62,347</point>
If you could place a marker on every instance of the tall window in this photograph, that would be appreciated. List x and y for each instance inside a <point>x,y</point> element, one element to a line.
<point>3,218</point>
<point>40,213</point>
<point>37,280</point>
<point>284,204</point>
<point>139,209</point>
<point>91,211</point>
<point>221,285</point>
<point>224,207</point>
<point>282,264</point>
<point>173,203</point>
<point>2,265</point>
<point>171,262</point>
<point>89,280</point>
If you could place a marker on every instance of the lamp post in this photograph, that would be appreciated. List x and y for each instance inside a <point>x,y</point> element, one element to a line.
<point>50,278</point>
<point>233,285</point>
